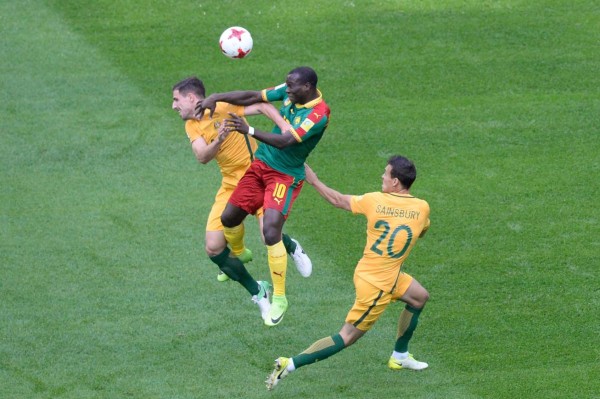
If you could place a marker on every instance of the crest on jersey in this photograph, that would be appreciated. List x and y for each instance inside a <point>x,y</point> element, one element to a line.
<point>307,124</point>
<point>217,124</point>
<point>296,120</point>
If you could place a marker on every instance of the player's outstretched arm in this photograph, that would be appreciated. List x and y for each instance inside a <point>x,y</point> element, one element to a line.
<point>335,198</point>
<point>232,97</point>
<point>270,112</point>
<point>237,123</point>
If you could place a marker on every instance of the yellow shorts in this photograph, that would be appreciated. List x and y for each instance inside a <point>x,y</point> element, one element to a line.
<point>370,301</point>
<point>213,223</point>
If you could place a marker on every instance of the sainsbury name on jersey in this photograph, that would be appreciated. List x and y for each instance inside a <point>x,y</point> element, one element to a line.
<point>397,212</point>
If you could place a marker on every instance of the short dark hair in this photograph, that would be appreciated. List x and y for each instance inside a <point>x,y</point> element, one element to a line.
<point>306,74</point>
<point>190,85</point>
<point>403,169</point>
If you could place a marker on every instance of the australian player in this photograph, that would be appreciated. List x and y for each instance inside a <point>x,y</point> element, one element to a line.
<point>395,221</point>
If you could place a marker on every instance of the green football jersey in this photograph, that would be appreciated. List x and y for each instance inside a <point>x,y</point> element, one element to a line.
<point>308,121</point>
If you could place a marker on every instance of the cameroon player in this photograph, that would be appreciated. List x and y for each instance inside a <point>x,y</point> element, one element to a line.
<point>276,176</point>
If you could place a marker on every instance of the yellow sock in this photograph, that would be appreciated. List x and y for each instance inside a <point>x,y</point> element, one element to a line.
<point>235,238</point>
<point>278,266</point>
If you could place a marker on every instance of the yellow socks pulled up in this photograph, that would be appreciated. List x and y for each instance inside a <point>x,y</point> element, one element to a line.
<point>278,266</point>
<point>235,238</point>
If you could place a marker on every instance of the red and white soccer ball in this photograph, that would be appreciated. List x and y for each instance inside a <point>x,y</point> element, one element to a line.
<point>236,42</point>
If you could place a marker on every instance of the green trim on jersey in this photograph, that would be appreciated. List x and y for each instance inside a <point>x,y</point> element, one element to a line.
<point>249,147</point>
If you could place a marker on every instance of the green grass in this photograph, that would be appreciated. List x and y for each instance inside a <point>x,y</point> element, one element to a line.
<point>105,291</point>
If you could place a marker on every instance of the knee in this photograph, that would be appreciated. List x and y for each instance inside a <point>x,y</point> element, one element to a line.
<point>272,226</point>
<point>214,244</point>
<point>271,236</point>
<point>227,220</point>
<point>350,334</point>
<point>232,216</point>
<point>213,250</point>
<point>422,299</point>
<point>425,296</point>
<point>350,340</point>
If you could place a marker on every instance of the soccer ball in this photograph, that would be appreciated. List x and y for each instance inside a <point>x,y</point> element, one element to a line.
<point>236,42</point>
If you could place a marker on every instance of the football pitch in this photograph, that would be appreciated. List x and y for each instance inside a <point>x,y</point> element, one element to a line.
<point>105,290</point>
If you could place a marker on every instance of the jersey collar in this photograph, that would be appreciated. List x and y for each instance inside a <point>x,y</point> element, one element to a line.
<point>402,195</point>
<point>313,103</point>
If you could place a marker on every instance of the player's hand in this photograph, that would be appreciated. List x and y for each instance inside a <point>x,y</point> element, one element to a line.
<point>311,176</point>
<point>208,103</point>
<point>223,133</point>
<point>236,123</point>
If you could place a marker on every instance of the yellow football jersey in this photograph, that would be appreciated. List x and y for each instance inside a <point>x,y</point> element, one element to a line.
<point>394,224</point>
<point>236,152</point>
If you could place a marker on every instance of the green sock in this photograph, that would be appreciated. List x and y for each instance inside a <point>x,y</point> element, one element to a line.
<point>234,268</point>
<point>290,246</point>
<point>320,350</point>
<point>406,327</point>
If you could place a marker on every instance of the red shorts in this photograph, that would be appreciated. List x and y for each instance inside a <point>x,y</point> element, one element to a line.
<point>263,186</point>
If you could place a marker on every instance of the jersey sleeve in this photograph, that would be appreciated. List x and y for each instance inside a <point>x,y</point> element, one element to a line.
<point>276,93</point>
<point>193,130</point>
<point>314,123</point>
<point>359,203</point>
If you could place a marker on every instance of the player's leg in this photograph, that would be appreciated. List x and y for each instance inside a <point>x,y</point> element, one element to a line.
<point>415,296</point>
<point>243,201</point>
<point>281,191</point>
<point>369,305</point>
<point>215,241</point>
<point>293,248</point>
<point>232,219</point>
<point>301,259</point>
<point>234,268</point>
<point>328,346</point>
<point>319,350</point>
<point>214,244</point>
<point>277,257</point>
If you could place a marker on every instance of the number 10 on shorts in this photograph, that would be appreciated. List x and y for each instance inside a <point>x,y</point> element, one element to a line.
<point>279,192</point>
